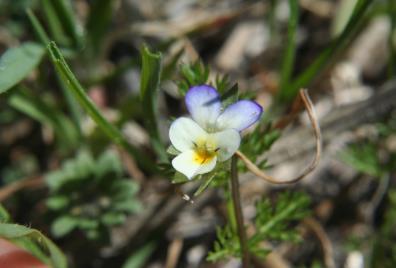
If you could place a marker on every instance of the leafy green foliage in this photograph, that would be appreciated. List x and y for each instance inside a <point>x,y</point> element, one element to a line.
<point>273,223</point>
<point>258,142</point>
<point>192,74</point>
<point>371,156</point>
<point>90,195</point>
<point>79,93</point>
<point>16,63</point>
<point>34,242</point>
<point>364,158</point>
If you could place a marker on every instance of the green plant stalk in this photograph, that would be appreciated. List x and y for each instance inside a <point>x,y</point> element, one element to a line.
<point>79,93</point>
<point>149,84</point>
<point>327,56</point>
<point>42,35</point>
<point>54,24</point>
<point>238,213</point>
<point>290,53</point>
<point>38,29</point>
<point>71,26</point>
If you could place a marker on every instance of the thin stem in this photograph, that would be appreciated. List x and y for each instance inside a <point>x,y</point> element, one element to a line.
<point>238,213</point>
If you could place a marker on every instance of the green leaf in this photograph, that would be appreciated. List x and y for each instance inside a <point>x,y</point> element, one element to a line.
<point>4,215</point>
<point>108,162</point>
<point>79,93</point>
<point>149,86</point>
<point>206,183</point>
<point>129,205</point>
<point>113,218</point>
<point>17,232</point>
<point>63,225</point>
<point>139,258</point>
<point>16,63</point>
<point>57,202</point>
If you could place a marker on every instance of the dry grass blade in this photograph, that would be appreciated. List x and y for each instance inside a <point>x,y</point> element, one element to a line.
<point>315,125</point>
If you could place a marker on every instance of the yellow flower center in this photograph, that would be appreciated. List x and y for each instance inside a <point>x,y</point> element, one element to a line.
<point>205,150</point>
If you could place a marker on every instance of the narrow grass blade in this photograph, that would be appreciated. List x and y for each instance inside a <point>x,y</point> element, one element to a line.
<point>290,52</point>
<point>71,26</point>
<point>71,103</point>
<point>98,23</point>
<point>38,29</point>
<point>319,65</point>
<point>149,84</point>
<point>54,23</point>
<point>79,93</point>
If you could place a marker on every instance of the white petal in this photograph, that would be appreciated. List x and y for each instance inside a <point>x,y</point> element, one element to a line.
<point>183,132</point>
<point>228,142</point>
<point>187,164</point>
<point>239,115</point>
<point>204,105</point>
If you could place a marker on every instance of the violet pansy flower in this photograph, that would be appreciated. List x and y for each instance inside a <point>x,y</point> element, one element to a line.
<point>211,134</point>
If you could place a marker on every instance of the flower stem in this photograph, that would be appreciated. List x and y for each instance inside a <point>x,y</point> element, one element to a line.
<point>238,213</point>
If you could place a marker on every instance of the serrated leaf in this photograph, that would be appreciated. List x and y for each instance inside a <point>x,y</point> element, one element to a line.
<point>16,63</point>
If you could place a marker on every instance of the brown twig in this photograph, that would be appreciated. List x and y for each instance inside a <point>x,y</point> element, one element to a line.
<point>11,188</point>
<point>174,251</point>
<point>236,199</point>
<point>315,125</point>
<point>325,242</point>
<point>130,164</point>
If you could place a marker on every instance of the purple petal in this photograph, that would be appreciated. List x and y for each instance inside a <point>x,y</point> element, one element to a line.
<point>239,115</point>
<point>203,103</point>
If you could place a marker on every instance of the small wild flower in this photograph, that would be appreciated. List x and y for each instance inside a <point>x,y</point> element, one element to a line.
<point>212,133</point>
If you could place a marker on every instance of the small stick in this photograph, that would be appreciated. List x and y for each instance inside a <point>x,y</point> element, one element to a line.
<point>14,187</point>
<point>315,125</point>
<point>325,242</point>
<point>174,251</point>
<point>236,200</point>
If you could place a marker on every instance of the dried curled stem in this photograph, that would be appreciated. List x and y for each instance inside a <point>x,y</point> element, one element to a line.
<point>315,125</point>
